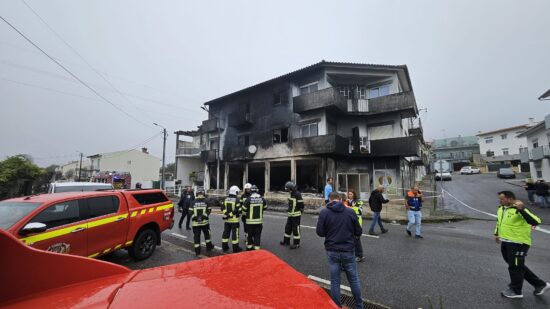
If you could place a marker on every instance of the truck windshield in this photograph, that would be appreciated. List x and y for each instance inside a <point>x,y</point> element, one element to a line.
<point>11,212</point>
<point>82,188</point>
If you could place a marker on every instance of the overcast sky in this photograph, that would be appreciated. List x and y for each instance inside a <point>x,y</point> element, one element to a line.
<point>475,65</point>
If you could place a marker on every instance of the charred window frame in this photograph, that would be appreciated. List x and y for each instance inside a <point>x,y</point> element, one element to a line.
<point>243,140</point>
<point>280,98</point>
<point>280,136</point>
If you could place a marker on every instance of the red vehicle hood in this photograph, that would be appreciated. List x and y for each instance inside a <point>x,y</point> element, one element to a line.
<point>258,279</point>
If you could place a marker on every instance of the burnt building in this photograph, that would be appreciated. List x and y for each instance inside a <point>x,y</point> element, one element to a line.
<point>355,122</point>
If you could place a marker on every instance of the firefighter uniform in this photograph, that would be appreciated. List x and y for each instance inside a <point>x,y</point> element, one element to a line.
<point>199,212</point>
<point>231,209</point>
<point>246,194</point>
<point>253,208</point>
<point>292,227</point>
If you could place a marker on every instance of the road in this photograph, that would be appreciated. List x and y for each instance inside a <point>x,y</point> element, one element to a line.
<point>457,263</point>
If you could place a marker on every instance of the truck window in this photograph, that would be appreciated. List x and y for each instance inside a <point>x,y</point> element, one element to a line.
<point>150,198</point>
<point>103,205</point>
<point>59,214</point>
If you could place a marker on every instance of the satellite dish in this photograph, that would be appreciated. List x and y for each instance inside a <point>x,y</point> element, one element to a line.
<point>252,149</point>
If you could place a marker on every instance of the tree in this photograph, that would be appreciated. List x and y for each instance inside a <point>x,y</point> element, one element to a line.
<point>17,176</point>
<point>50,174</point>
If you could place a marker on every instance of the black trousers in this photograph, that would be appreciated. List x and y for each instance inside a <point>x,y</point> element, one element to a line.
<point>514,255</point>
<point>230,230</point>
<point>205,229</point>
<point>184,214</point>
<point>254,236</point>
<point>358,247</point>
<point>292,228</point>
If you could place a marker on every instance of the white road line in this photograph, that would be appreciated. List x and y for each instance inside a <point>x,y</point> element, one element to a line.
<point>489,214</point>
<point>324,281</point>
<point>179,235</point>
<point>367,235</point>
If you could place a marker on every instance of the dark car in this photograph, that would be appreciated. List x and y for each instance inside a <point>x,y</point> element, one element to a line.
<point>506,173</point>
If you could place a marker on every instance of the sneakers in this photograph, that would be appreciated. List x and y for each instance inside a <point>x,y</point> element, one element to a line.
<point>373,234</point>
<point>509,293</point>
<point>294,246</point>
<point>359,259</point>
<point>408,232</point>
<point>384,231</point>
<point>541,289</point>
<point>418,236</point>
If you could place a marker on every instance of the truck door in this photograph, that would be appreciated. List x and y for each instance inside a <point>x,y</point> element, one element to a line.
<point>67,228</point>
<point>108,224</point>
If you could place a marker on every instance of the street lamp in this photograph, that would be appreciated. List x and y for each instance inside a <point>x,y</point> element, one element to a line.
<point>163,155</point>
<point>218,150</point>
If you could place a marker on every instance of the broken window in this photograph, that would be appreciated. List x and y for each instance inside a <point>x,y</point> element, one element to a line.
<point>309,88</point>
<point>280,136</point>
<point>280,98</point>
<point>309,130</point>
<point>243,140</point>
<point>379,91</point>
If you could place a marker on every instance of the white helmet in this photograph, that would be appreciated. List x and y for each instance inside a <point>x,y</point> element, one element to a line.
<point>234,190</point>
<point>248,186</point>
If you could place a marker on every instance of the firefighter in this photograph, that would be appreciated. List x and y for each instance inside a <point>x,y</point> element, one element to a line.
<point>199,212</point>
<point>253,208</point>
<point>231,209</point>
<point>295,210</point>
<point>246,194</point>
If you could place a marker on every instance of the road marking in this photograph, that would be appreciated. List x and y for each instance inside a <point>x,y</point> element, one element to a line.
<point>324,281</point>
<point>185,237</point>
<point>179,235</point>
<point>488,214</point>
<point>367,235</point>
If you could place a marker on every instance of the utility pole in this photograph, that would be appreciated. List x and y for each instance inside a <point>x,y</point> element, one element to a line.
<point>163,155</point>
<point>80,168</point>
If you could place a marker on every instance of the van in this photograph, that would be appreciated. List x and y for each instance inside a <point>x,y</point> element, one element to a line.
<point>59,187</point>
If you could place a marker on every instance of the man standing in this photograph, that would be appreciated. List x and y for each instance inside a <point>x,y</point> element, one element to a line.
<point>541,190</point>
<point>253,208</point>
<point>294,212</point>
<point>231,209</point>
<point>246,194</point>
<point>328,189</point>
<point>513,232</point>
<point>199,212</point>
<point>530,188</point>
<point>413,204</point>
<point>187,197</point>
<point>339,226</point>
<point>376,200</point>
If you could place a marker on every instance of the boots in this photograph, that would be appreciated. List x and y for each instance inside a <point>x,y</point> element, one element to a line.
<point>225,247</point>
<point>198,251</point>
<point>237,249</point>
<point>209,246</point>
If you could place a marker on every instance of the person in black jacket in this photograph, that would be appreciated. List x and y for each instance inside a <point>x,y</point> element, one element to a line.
<point>530,188</point>
<point>376,200</point>
<point>295,210</point>
<point>541,190</point>
<point>187,197</point>
<point>339,226</point>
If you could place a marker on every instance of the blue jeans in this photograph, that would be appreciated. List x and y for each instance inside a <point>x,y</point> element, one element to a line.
<point>346,260</point>
<point>543,201</point>
<point>415,218</point>
<point>376,219</point>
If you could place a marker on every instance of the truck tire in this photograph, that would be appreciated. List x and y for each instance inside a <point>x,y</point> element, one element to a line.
<point>144,245</point>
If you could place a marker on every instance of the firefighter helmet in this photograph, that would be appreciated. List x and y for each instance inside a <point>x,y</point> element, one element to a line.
<point>254,189</point>
<point>290,186</point>
<point>234,190</point>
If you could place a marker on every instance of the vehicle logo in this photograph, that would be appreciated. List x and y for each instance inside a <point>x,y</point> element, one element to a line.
<point>59,248</point>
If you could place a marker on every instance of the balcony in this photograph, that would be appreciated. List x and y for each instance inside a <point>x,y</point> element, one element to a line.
<point>524,156</point>
<point>408,146</point>
<point>403,102</point>
<point>416,129</point>
<point>239,119</point>
<point>328,98</point>
<point>237,152</point>
<point>324,144</point>
<point>188,152</point>
<point>208,156</point>
<point>540,153</point>
<point>210,125</point>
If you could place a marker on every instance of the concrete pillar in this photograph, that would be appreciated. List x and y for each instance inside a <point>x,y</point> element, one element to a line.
<point>293,170</point>
<point>226,177</point>
<point>267,174</point>
<point>245,174</point>
<point>206,177</point>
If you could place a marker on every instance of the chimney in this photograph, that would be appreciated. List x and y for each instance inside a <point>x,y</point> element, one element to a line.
<point>531,122</point>
<point>144,150</point>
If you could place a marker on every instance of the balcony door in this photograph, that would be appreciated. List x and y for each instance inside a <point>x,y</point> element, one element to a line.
<point>380,132</point>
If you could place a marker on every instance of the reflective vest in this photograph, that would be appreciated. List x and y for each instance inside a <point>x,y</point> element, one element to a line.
<point>254,207</point>
<point>231,209</point>
<point>199,211</point>
<point>295,204</point>
<point>414,202</point>
<point>357,207</point>
<point>511,225</point>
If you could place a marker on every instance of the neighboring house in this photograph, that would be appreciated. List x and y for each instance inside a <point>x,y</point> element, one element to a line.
<point>70,171</point>
<point>142,167</point>
<point>458,151</point>
<point>355,122</point>
<point>501,148</point>
<point>189,168</point>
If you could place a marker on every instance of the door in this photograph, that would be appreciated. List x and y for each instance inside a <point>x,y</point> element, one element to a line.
<point>66,228</point>
<point>108,224</point>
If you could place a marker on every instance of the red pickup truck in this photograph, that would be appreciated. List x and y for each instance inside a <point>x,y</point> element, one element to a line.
<point>90,223</point>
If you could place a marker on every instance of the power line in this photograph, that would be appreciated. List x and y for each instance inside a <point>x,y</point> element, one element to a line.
<point>72,74</point>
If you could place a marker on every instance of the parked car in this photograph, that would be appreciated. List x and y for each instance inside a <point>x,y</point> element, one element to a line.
<point>469,170</point>
<point>443,176</point>
<point>40,279</point>
<point>58,187</point>
<point>90,223</point>
<point>506,173</point>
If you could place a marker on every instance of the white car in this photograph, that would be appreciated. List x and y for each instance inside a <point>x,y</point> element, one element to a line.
<point>443,176</point>
<point>58,187</point>
<point>469,170</point>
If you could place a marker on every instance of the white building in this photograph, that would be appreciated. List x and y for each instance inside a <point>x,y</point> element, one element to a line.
<point>143,167</point>
<point>189,168</point>
<point>503,146</point>
<point>69,171</point>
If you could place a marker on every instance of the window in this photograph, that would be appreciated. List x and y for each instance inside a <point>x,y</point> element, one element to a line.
<point>280,98</point>
<point>489,140</point>
<point>505,151</point>
<point>504,136</point>
<point>243,140</point>
<point>490,153</point>
<point>309,88</point>
<point>103,205</point>
<point>59,214</point>
<point>280,136</point>
<point>353,92</point>
<point>150,198</point>
<point>535,143</point>
<point>379,91</point>
<point>308,130</point>
<point>213,143</point>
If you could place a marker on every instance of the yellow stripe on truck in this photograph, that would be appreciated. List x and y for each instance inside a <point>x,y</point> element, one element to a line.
<point>47,235</point>
<point>106,220</point>
<point>163,207</point>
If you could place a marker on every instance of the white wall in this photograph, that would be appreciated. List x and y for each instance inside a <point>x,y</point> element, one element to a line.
<point>512,142</point>
<point>186,166</point>
<point>141,166</point>
<point>345,126</point>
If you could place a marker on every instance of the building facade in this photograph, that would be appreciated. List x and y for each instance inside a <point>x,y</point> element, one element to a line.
<point>458,151</point>
<point>537,154</point>
<point>356,123</point>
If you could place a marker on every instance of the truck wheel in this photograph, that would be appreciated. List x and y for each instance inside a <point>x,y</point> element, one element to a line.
<point>144,245</point>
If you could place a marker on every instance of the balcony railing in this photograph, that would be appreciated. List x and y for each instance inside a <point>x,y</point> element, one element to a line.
<point>416,129</point>
<point>403,102</point>
<point>188,151</point>
<point>324,144</point>
<point>408,146</point>
<point>208,156</point>
<point>328,98</point>
<point>240,119</point>
<point>524,156</point>
<point>210,125</point>
<point>237,152</point>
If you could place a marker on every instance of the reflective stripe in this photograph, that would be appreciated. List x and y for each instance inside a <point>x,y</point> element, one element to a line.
<point>287,235</point>
<point>196,245</point>
<point>225,239</point>
<point>143,211</point>
<point>134,214</point>
<point>235,242</point>
<point>52,234</point>
<point>257,247</point>
<point>93,255</point>
<point>516,261</point>
<point>129,242</point>
<point>118,246</point>
<point>106,220</point>
<point>163,207</point>
<point>106,250</point>
<point>151,209</point>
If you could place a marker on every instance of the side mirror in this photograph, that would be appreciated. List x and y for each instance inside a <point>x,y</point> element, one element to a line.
<point>33,227</point>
